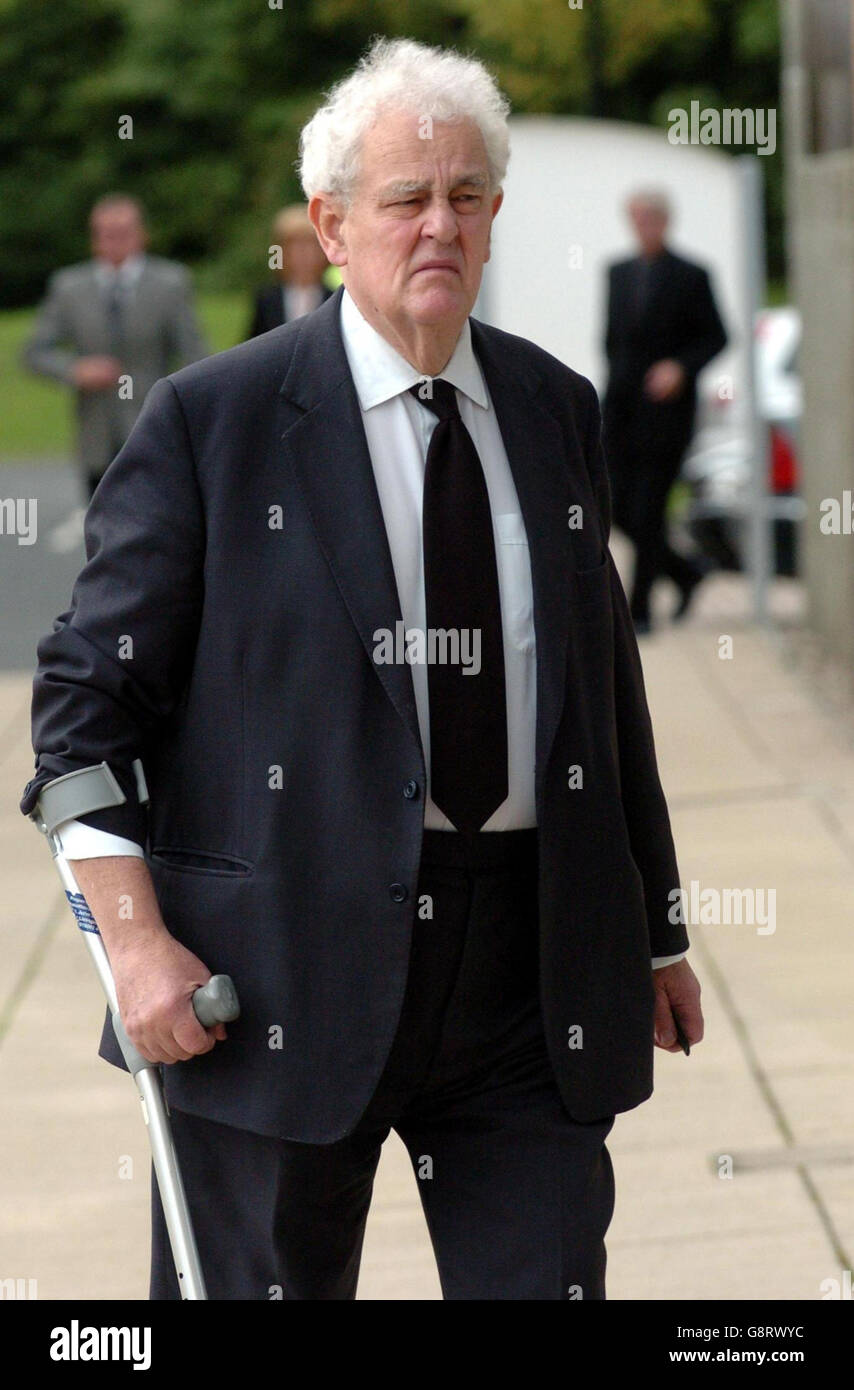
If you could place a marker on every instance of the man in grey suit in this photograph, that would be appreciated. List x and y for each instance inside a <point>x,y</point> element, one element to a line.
<point>111,326</point>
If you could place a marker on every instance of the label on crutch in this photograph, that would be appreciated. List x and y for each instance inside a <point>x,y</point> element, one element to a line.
<point>81,910</point>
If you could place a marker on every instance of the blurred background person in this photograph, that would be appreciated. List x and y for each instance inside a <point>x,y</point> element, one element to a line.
<point>663,327</point>
<point>110,327</point>
<point>300,285</point>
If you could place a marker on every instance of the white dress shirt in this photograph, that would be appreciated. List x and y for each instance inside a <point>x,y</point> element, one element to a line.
<point>300,299</point>
<point>398,430</point>
<point>125,275</point>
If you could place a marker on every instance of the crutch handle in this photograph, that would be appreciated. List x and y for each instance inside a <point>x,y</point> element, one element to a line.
<point>216,1002</point>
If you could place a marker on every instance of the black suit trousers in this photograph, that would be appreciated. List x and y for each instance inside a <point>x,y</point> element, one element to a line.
<point>517,1195</point>
<point>645,458</point>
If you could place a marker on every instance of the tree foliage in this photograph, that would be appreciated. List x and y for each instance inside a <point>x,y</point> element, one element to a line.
<point>218,90</point>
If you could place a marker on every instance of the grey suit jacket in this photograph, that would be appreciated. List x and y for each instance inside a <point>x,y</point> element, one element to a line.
<point>160,333</point>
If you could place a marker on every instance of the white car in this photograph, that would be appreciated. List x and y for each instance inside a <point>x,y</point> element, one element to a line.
<point>718,465</point>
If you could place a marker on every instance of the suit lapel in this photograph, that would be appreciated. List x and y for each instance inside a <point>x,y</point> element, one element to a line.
<point>328,452</point>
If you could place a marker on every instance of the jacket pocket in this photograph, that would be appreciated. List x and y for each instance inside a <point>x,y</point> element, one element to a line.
<point>200,861</point>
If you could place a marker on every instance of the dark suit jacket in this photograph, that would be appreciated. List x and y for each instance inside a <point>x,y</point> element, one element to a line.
<point>238,538</point>
<point>269,309</point>
<point>680,320</point>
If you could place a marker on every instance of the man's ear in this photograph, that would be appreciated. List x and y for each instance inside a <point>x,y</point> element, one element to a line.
<point>496,204</point>
<point>326,215</point>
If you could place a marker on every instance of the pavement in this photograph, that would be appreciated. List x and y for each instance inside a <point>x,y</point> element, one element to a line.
<point>735,1181</point>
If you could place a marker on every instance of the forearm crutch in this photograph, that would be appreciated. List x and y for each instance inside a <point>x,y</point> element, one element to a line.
<point>215,1002</point>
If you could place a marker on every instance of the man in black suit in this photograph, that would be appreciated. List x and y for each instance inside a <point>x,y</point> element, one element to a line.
<point>663,327</point>
<point>299,264</point>
<point>402,784</point>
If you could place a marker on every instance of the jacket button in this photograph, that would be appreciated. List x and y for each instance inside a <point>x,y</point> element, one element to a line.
<point>410,789</point>
<point>398,892</point>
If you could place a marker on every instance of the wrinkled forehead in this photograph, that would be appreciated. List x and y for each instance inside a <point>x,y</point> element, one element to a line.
<point>402,152</point>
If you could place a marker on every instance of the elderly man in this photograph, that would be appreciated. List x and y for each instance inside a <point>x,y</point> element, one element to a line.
<point>663,328</point>
<point>111,327</point>
<point>402,784</point>
<point>301,265</point>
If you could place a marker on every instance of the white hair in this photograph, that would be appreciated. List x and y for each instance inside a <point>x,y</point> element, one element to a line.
<point>400,75</point>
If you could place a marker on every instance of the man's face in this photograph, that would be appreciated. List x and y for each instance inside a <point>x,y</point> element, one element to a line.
<point>116,233</point>
<point>303,261</point>
<point>650,226</point>
<point>418,202</point>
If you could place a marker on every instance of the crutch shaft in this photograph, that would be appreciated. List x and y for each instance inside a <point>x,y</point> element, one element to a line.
<point>214,1002</point>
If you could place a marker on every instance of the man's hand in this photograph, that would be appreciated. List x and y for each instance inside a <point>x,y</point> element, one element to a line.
<point>677,992</point>
<point>155,984</point>
<point>155,975</point>
<point>96,373</point>
<point>664,381</point>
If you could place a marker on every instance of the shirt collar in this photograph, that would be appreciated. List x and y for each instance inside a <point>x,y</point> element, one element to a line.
<point>126,274</point>
<point>380,372</point>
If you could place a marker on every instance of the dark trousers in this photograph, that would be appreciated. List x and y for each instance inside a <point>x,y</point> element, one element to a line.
<point>643,467</point>
<point>517,1195</point>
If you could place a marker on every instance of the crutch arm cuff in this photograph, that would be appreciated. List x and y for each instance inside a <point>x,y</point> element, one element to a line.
<point>76,794</point>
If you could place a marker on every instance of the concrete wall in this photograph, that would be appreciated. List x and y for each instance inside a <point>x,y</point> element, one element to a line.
<point>823,245</point>
<point>817,101</point>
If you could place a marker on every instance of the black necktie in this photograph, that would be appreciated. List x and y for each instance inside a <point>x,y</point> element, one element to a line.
<point>115,316</point>
<point>468,712</point>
